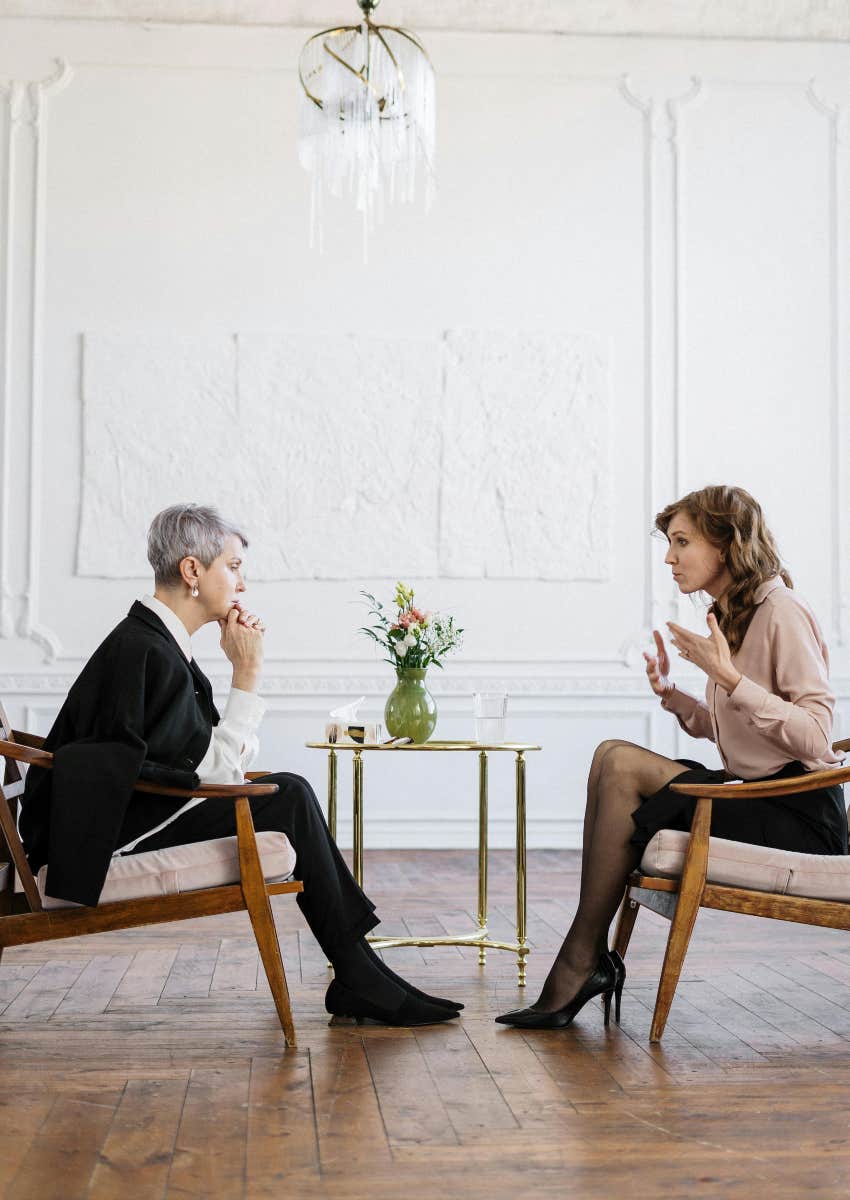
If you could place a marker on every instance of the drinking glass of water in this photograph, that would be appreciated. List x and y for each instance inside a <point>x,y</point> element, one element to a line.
<point>490,712</point>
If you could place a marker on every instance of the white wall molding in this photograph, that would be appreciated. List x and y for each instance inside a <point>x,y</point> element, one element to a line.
<point>336,685</point>
<point>722,19</point>
<point>835,112</point>
<point>663,382</point>
<point>25,162</point>
<point>461,833</point>
<point>648,114</point>
<point>575,687</point>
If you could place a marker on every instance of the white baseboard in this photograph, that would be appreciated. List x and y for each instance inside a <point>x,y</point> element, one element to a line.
<point>419,834</point>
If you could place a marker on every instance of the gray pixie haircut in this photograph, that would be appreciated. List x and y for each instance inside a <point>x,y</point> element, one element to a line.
<point>187,531</point>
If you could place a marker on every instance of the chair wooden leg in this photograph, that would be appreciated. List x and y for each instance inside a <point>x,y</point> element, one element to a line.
<point>691,891</point>
<point>625,924</point>
<point>262,919</point>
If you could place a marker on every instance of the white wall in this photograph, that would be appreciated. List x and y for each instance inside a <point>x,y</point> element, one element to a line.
<point>666,217</point>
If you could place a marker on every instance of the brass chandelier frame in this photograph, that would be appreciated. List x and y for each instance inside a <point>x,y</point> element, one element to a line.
<point>378,31</point>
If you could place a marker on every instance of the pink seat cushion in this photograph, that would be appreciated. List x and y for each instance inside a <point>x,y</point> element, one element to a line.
<point>184,869</point>
<point>759,868</point>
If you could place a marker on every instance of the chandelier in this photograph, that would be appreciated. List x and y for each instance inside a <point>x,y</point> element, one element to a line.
<point>367,119</point>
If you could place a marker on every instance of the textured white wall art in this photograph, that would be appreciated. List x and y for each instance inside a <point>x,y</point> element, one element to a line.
<point>350,457</point>
<point>324,449</point>
<point>526,464</point>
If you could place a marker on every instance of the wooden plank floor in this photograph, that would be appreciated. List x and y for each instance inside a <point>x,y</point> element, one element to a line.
<point>150,1064</point>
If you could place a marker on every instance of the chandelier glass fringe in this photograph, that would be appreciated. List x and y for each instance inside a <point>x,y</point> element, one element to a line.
<point>367,119</point>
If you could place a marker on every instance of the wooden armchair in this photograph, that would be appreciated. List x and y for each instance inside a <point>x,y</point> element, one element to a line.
<point>27,917</point>
<point>704,872</point>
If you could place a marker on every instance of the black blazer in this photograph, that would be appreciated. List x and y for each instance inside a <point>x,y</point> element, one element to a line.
<point>138,709</point>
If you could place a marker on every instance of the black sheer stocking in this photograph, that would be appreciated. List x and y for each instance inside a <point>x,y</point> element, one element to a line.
<point>620,774</point>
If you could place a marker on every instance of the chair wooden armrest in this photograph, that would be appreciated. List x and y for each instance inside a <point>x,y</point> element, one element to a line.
<point>766,787</point>
<point>44,759</point>
<point>27,739</point>
<point>210,790</point>
<point>26,754</point>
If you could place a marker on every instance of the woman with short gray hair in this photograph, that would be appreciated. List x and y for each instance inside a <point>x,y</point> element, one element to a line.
<point>142,708</point>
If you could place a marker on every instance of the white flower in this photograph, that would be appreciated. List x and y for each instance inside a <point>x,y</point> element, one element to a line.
<point>410,640</point>
<point>401,648</point>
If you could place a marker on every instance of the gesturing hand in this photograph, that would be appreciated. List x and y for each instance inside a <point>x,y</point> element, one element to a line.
<point>242,642</point>
<point>658,667</point>
<point>711,654</point>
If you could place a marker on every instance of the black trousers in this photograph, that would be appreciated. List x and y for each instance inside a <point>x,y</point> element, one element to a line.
<point>335,908</point>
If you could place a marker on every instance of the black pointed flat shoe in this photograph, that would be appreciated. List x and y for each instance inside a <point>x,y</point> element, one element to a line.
<point>440,1001</point>
<point>601,983</point>
<point>387,970</point>
<point>343,1003</point>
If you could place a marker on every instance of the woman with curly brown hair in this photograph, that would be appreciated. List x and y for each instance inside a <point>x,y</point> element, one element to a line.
<point>768,707</point>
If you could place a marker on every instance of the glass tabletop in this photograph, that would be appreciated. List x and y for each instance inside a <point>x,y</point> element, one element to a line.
<point>514,747</point>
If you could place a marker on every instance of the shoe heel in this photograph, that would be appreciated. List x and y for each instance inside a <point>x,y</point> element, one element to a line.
<point>618,995</point>
<point>338,1019</point>
<point>607,1002</point>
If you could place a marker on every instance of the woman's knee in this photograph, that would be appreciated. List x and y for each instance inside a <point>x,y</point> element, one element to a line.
<point>605,748</point>
<point>622,759</point>
<point>639,769</point>
<point>293,791</point>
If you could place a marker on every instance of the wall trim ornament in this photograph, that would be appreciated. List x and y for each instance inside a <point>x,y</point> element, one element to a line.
<point>836,114</point>
<point>663,324</point>
<point>22,233</point>
<point>782,21</point>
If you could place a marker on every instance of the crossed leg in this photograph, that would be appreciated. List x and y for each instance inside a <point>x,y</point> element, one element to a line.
<point>620,775</point>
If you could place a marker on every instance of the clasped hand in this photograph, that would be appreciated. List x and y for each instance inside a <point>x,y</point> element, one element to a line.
<point>242,642</point>
<point>711,654</point>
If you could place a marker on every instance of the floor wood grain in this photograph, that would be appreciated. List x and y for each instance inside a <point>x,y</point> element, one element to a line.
<point>149,1063</point>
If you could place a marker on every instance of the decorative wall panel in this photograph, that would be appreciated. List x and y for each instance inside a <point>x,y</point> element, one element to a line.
<point>479,455</point>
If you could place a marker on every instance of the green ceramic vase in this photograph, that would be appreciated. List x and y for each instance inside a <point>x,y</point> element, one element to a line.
<point>410,710</point>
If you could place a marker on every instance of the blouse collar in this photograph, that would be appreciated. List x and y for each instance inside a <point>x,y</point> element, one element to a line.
<point>764,589</point>
<point>172,623</point>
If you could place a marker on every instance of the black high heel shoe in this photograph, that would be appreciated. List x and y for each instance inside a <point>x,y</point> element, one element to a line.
<point>602,982</point>
<point>619,979</point>
<point>342,1002</point>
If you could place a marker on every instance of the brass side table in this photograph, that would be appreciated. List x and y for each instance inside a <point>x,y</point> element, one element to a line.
<point>478,937</point>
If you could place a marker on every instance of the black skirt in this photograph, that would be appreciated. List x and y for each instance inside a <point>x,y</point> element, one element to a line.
<point>807,822</point>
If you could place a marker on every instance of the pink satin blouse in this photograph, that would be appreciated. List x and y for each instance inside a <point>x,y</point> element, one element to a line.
<point>781,709</point>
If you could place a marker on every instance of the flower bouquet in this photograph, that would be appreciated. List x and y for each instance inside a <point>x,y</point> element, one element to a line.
<point>412,642</point>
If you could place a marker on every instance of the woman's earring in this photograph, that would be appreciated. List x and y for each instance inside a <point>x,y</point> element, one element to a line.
<point>195,592</point>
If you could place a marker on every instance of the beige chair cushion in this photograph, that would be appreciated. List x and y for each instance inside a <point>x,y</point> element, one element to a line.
<point>184,869</point>
<point>759,868</point>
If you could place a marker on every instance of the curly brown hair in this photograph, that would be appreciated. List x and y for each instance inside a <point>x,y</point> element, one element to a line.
<point>733,521</point>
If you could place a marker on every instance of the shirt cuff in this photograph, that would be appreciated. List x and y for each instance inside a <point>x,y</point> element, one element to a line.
<point>244,711</point>
<point>746,696</point>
